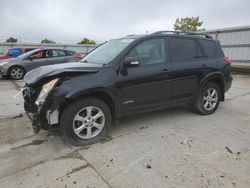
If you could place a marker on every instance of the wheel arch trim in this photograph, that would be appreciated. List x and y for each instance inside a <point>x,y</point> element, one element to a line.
<point>104,94</point>
<point>214,76</point>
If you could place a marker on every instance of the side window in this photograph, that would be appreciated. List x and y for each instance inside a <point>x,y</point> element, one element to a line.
<point>40,54</point>
<point>70,53</point>
<point>208,47</point>
<point>182,49</point>
<point>150,52</point>
<point>46,54</point>
<point>58,53</point>
<point>37,55</point>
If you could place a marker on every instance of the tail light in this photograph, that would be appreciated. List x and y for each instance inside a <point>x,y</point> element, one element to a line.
<point>78,56</point>
<point>227,60</point>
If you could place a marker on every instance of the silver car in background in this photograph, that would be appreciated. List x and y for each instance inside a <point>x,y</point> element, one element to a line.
<point>16,68</point>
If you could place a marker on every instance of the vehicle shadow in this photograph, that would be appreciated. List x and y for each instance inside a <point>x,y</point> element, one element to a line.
<point>131,124</point>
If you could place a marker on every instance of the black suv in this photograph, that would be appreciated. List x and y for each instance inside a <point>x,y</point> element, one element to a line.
<point>125,76</point>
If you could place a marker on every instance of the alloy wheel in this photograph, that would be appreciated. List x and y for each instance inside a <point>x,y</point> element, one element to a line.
<point>16,73</point>
<point>210,99</point>
<point>88,122</point>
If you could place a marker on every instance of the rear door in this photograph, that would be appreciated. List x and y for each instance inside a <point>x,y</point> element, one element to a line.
<point>188,67</point>
<point>146,86</point>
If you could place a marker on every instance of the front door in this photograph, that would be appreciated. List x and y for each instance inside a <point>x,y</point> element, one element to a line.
<point>147,85</point>
<point>36,60</point>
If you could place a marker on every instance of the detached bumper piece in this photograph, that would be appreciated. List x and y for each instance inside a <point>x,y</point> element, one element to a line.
<point>30,95</point>
<point>38,122</point>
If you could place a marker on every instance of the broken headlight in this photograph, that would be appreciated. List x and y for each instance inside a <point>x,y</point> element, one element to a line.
<point>45,91</point>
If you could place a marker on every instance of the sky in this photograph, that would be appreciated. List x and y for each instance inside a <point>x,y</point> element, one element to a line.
<point>68,21</point>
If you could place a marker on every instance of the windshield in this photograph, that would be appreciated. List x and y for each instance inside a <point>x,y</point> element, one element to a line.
<point>107,52</point>
<point>27,54</point>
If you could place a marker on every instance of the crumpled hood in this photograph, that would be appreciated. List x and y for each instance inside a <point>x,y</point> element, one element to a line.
<point>40,73</point>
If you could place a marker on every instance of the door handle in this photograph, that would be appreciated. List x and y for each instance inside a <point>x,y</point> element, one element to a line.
<point>165,70</point>
<point>204,66</point>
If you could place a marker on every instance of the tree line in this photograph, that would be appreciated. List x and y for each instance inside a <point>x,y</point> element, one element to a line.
<point>192,24</point>
<point>49,41</point>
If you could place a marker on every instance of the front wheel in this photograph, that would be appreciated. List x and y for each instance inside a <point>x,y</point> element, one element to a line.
<point>86,121</point>
<point>208,99</point>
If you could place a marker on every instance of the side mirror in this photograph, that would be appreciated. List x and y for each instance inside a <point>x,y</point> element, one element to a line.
<point>30,58</point>
<point>131,62</point>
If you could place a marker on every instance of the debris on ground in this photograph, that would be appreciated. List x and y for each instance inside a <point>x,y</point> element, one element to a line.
<point>148,166</point>
<point>228,149</point>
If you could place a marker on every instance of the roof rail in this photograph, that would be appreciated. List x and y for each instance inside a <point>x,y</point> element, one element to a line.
<point>181,33</point>
<point>130,35</point>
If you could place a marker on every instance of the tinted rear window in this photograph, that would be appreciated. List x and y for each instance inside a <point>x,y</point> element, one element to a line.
<point>208,48</point>
<point>58,53</point>
<point>182,49</point>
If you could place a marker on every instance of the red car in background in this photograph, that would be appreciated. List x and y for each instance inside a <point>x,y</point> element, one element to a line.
<point>15,52</point>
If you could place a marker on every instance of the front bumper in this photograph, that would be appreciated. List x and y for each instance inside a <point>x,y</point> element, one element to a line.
<point>3,72</point>
<point>40,119</point>
<point>38,122</point>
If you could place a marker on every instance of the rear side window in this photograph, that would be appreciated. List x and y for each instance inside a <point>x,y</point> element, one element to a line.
<point>58,53</point>
<point>182,49</point>
<point>208,47</point>
<point>70,53</point>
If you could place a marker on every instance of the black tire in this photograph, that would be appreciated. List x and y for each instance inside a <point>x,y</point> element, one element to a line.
<point>20,72</point>
<point>68,122</point>
<point>199,104</point>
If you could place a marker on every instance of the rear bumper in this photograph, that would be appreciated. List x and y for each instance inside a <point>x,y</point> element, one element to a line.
<point>228,83</point>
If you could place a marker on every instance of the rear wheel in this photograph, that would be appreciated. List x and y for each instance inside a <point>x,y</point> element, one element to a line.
<point>16,72</point>
<point>208,99</point>
<point>86,121</point>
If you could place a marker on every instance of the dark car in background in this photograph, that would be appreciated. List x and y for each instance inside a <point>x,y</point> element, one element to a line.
<point>16,68</point>
<point>15,52</point>
<point>124,77</point>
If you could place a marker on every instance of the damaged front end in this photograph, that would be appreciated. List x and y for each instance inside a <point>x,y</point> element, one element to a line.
<point>40,103</point>
<point>42,112</point>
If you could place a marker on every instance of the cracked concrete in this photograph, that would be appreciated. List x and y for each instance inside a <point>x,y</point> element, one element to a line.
<point>168,148</point>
